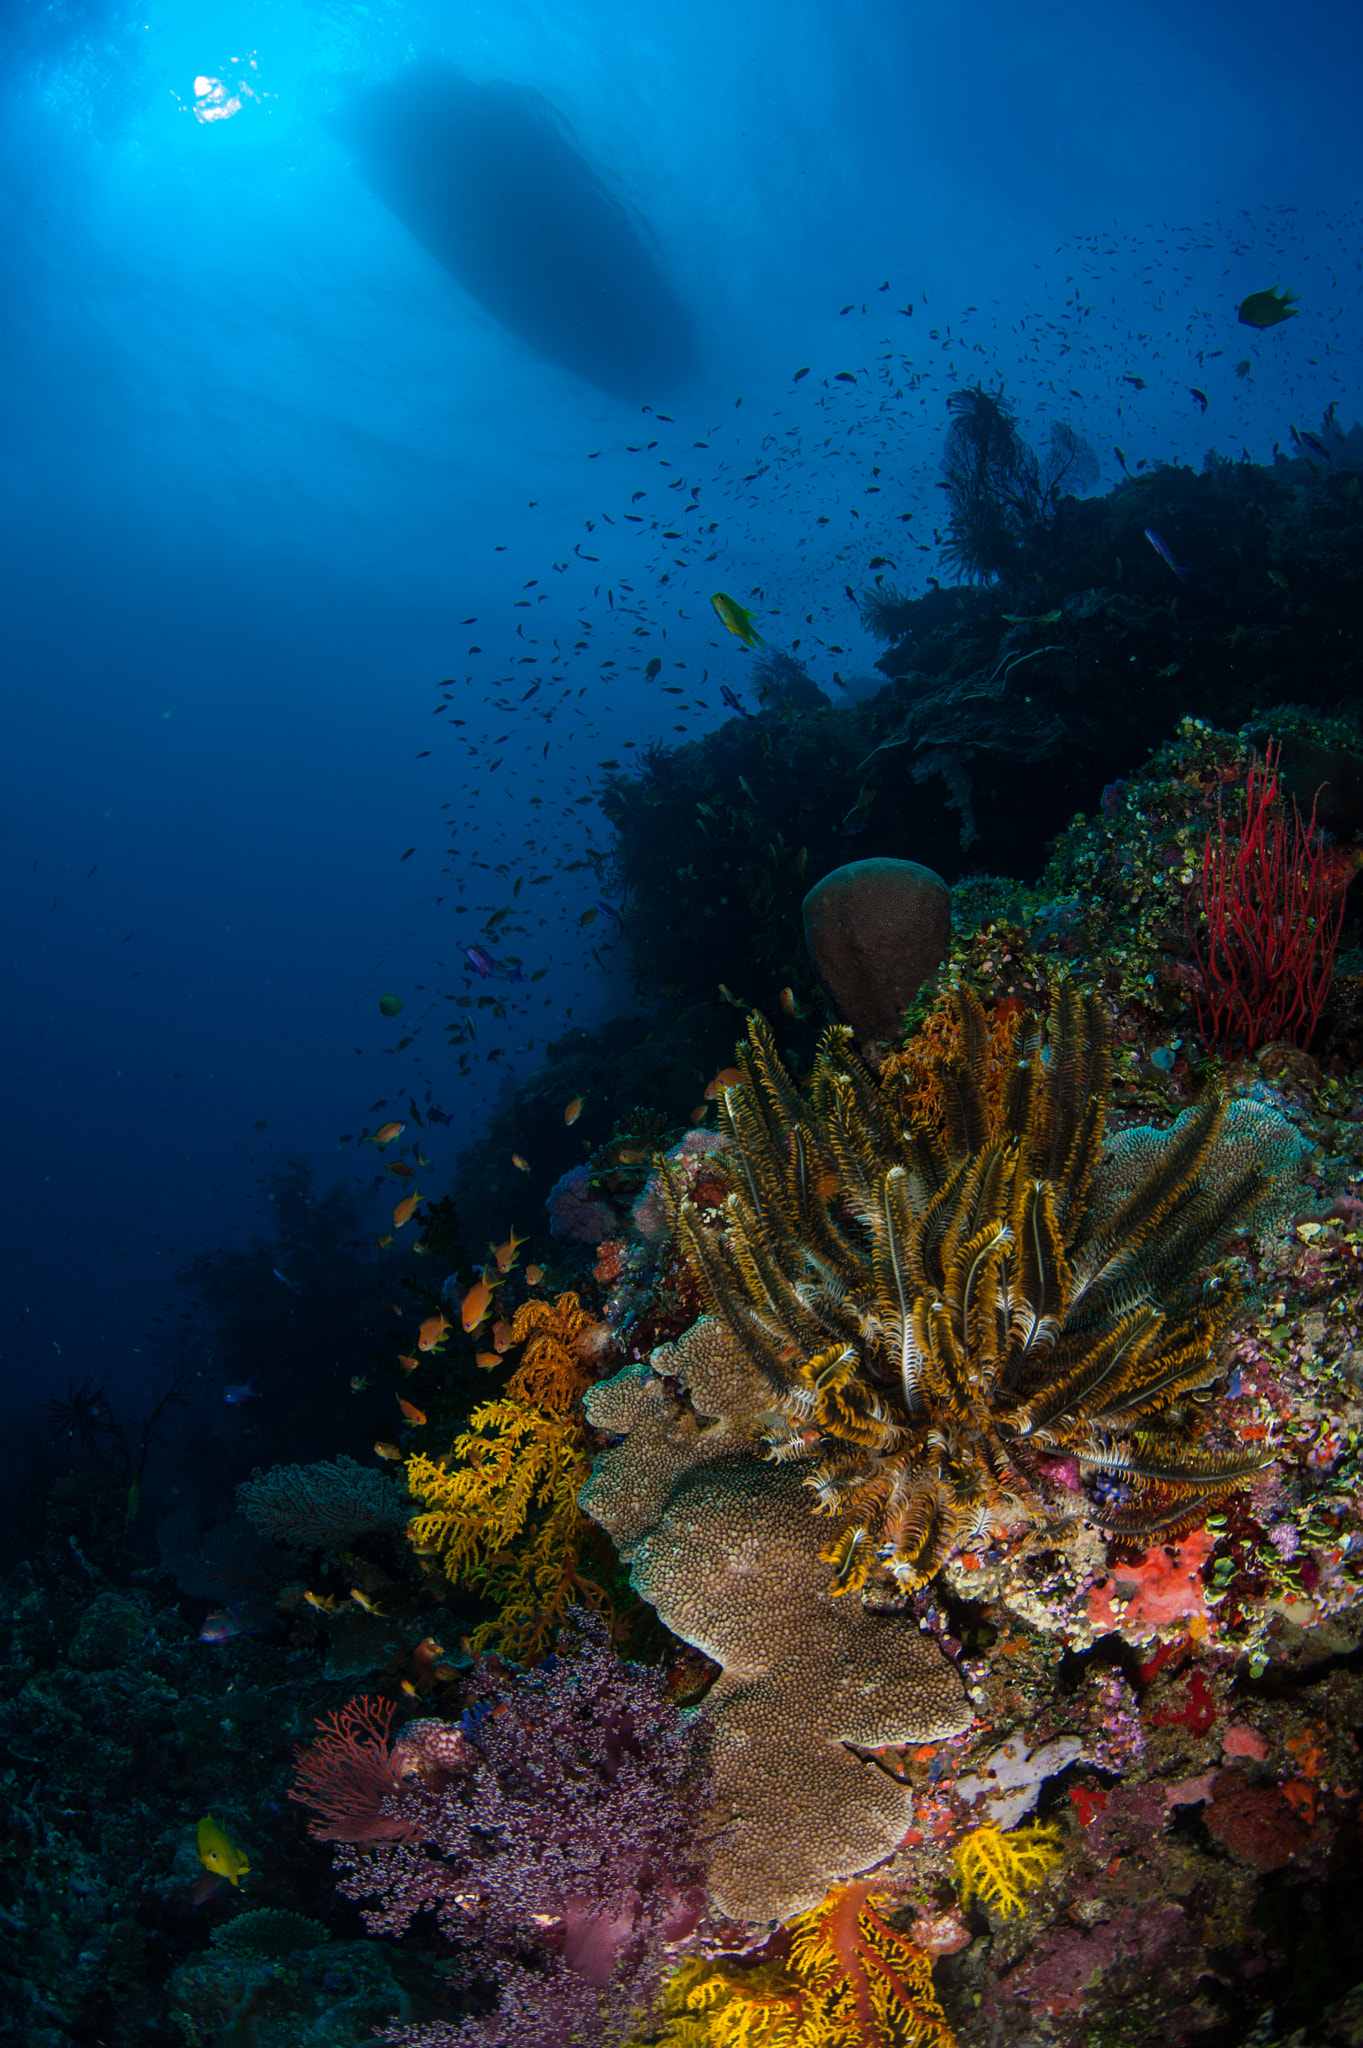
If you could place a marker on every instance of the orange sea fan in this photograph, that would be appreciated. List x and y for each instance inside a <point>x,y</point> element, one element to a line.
<point>556,1334</point>
<point>922,1067</point>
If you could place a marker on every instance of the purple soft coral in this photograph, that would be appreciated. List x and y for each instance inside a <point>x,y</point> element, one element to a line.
<point>560,1857</point>
<point>574,1211</point>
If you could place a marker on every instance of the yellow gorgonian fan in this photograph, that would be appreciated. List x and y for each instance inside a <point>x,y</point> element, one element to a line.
<point>998,1868</point>
<point>850,1981</point>
<point>501,1511</point>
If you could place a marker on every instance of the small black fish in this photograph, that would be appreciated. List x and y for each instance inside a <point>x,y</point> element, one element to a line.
<point>800,373</point>
<point>653,668</point>
<point>1200,396</point>
<point>1139,382</point>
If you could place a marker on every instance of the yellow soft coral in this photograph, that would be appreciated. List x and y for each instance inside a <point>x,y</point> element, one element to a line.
<point>850,1981</point>
<point>998,1868</point>
<point>502,1511</point>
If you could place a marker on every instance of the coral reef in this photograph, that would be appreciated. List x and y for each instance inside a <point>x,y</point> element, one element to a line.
<point>1005,710</point>
<point>1010,1780</point>
<point>1000,1868</point>
<point>573,1210</point>
<point>111,1930</point>
<point>266,1935</point>
<point>347,1774</point>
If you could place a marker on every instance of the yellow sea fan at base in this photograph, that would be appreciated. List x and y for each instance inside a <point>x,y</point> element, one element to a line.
<point>998,1868</point>
<point>850,1981</point>
<point>502,1512</point>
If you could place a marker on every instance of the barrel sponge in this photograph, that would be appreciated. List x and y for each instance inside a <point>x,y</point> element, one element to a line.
<point>726,1548</point>
<point>876,930</point>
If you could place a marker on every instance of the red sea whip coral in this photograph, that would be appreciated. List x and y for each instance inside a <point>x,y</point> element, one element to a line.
<point>1274,905</point>
<point>553,1837</point>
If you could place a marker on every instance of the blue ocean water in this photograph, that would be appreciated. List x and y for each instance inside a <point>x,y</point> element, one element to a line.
<point>271,474</point>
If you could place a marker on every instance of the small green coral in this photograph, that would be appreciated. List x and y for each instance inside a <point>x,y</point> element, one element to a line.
<point>267,1936</point>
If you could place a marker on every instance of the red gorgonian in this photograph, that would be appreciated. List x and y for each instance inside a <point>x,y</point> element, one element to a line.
<point>348,1774</point>
<point>1273,904</point>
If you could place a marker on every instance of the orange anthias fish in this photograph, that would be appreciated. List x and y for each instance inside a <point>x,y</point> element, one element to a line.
<point>402,1170</point>
<point>505,1254</point>
<point>501,1336</point>
<point>521,1165</point>
<point>573,1111</point>
<point>427,1655</point>
<point>406,1210</point>
<point>389,1451</point>
<point>386,1134</point>
<point>487,1359</point>
<point>431,1335</point>
<point>534,1274</point>
<point>477,1302</point>
<point>727,1077</point>
<point>408,1364</point>
<point>414,1415</point>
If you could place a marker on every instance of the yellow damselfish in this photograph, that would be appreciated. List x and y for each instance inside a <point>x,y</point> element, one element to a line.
<point>219,1853</point>
<point>737,620</point>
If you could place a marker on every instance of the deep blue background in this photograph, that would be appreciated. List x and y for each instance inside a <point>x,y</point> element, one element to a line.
<point>260,452</point>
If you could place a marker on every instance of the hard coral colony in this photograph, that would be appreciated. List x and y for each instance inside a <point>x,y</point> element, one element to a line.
<point>939,1318</point>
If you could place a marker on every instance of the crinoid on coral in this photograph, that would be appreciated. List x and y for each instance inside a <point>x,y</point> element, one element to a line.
<point>930,1308</point>
<point>502,1513</point>
<point>899,1318</point>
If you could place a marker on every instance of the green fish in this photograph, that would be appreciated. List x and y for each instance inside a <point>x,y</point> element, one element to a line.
<point>737,620</point>
<point>219,1853</point>
<point>1266,309</point>
<point>390,1005</point>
